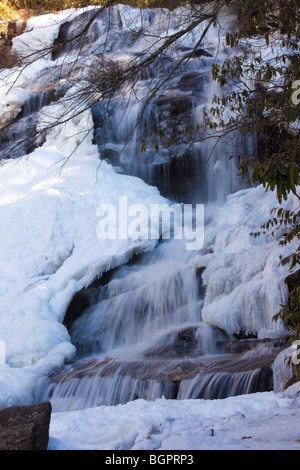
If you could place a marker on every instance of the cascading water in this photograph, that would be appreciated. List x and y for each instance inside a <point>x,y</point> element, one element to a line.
<point>140,335</point>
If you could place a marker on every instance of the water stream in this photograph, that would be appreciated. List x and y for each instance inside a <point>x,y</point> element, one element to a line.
<point>139,332</point>
<point>142,337</point>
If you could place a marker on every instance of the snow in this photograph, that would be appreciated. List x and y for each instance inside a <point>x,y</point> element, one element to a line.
<point>245,284</point>
<point>282,371</point>
<point>48,211</point>
<point>260,421</point>
<point>48,228</point>
<point>50,250</point>
<point>11,104</point>
<point>42,30</point>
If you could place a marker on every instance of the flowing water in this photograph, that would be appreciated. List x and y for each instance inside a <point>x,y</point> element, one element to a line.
<point>139,332</point>
<point>142,337</point>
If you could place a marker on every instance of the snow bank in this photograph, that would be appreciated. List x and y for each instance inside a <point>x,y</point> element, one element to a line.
<point>50,249</point>
<point>50,245</point>
<point>42,30</point>
<point>11,105</point>
<point>258,421</point>
<point>48,212</point>
<point>245,284</point>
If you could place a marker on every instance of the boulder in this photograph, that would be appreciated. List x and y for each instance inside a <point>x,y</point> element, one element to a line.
<point>25,427</point>
<point>16,27</point>
<point>19,437</point>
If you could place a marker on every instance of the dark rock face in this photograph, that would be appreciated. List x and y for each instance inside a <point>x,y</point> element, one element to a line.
<point>16,27</point>
<point>19,437</point>
<point>25,427</point>
<point>74,35</point>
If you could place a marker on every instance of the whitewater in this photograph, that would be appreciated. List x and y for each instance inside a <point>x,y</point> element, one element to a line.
<point>50,251</point>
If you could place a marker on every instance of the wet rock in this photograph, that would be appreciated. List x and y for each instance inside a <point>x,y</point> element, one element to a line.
<point>25,427</point>
<point>242,335</point>
<point>19,437</point>
<point>178,178</point>
<point>176,103</point>
<point>167,369</point>
<point>193,81</point>
<point>72,35</point>
<point>199,52</point>
<point>176,344</point>
<point>93,382</point>
<point>16,27</point>
<point>18,124</point>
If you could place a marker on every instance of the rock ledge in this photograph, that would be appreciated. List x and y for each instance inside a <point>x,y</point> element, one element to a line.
<point>25,427</point>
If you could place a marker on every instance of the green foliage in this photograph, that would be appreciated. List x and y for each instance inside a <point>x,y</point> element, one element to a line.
<point>6,11</point>
<point>290,312</point>
<point>264,103</point>
<point>287,222</point>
